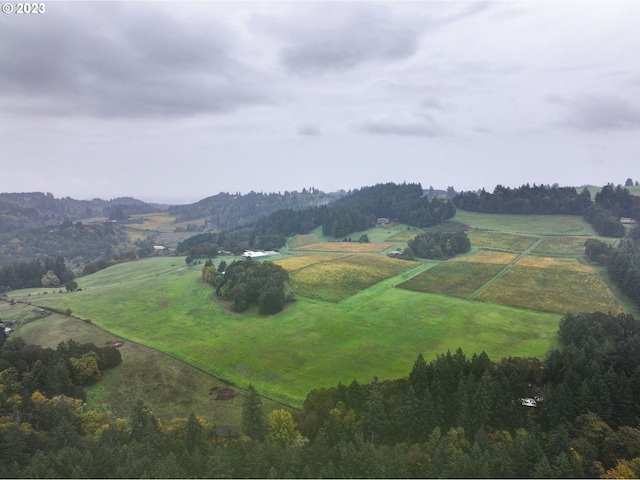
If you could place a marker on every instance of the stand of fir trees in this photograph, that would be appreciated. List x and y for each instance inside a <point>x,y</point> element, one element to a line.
<point>452,417</point>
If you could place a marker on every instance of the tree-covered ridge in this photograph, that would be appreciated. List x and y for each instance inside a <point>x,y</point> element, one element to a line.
<point>451,417</point>
<point>226,211</point>
<point>524,200</point>
<point>354,212</point>
<point>439,245</point>
<point>76,242</point>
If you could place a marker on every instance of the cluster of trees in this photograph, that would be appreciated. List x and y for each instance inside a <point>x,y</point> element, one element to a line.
<point>524,200</point>
<point>248,282</point>
<point>438,245</point>
<point>47,272</point>
<point>603,221</point>
<point>454,416</point>
<point>622,262</point>
<point>26,369</point>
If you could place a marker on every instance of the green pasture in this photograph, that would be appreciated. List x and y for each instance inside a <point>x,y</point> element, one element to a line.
<point>501,241</point>
<point>551,290</point>
<point>171,387</point>
<point>378,331</point>
<point>527,224</point>
<point>457,279</point>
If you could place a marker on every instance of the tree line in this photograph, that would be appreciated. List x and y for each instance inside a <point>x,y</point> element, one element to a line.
<point>611,203</point>
<point>452,417</point>
<point>48,272</point>
<point>622,262</point>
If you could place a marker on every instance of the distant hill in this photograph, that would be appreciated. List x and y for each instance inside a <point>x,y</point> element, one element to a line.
<point>36,224</point>
<point>227,211</point>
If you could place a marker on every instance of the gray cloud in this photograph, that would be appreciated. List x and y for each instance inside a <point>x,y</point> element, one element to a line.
<point>309,130</point>
<point>419,126</point>
<point>598,112</point>
<point>129,61</point>
<point>335,38</point>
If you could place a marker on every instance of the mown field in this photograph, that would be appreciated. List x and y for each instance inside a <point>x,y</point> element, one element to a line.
<point>527,224</point>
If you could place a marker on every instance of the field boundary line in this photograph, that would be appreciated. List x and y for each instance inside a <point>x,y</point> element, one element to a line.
<point>505,269</point>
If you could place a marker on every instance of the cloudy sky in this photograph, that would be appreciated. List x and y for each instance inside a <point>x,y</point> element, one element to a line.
<point>177,101</point>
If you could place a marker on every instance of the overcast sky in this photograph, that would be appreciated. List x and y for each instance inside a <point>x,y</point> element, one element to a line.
<point>177,101</point>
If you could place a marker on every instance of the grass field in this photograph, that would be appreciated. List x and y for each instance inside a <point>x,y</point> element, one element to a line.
<point>302,240</point>
<point>501,241</point>
<point>337,279</point>
<point>345,247</point>
<point>527,224</point>
<point>378,331</point>
<point>169,386</point>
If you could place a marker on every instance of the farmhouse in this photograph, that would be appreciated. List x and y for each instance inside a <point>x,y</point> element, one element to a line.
<point>628,221</point>
<point>383,221</point>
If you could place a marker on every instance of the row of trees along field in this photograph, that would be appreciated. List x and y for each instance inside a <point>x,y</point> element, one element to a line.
<point>454,416</point>
<point>611,203</point>
<point>354,212</point>
<point>47,272</point>
<point>622,262</point>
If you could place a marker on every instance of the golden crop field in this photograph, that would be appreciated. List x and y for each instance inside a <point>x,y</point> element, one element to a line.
<point>551,290</point>
<point>488,256</point>
<point>345,247</point>
<point>337,279</point>
<point>557,263</point>
<point>565,245</point>
<point>455,279</point>
<point>153,221</point>
<point>296,262</point>
<point>501,240</point>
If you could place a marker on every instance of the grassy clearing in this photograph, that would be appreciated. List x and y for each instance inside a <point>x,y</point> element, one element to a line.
<point>500,240</point>
<point>335,280</point>
<point>345,247</point>
<point>169,386</point>
<point>302,240</point>
<point>457,279</point>
<point>527,224</point>
<point>551,290</point>
<point>487,256</point>
<point>297,262</point>
<point>310,344</point>
<point>155,221</point>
